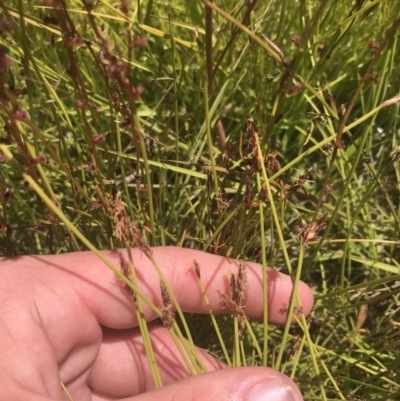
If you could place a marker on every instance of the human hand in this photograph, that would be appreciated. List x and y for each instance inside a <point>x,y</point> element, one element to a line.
<point>67,319</point>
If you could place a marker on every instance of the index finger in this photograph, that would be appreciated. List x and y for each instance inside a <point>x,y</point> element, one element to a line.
<point>177,265</point>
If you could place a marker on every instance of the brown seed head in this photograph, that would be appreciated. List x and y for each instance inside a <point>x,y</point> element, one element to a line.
<point>238,288</point>
<point>298,183</point>
<point>395,155</point>
<point>196,267</point>
<point>167,313</point>
<point>126,271</point>
<point>139,42</point>
<point>6,24</point>
<point>311,231</point>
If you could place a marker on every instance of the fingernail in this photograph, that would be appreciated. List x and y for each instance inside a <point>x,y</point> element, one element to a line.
<point>276,390</point>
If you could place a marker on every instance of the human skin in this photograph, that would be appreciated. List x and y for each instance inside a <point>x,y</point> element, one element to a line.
<point>67,318</point>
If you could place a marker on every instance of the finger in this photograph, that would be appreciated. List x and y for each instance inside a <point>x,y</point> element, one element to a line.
<point>177,266</point>
<point>122,368</point>
<point>102,293</point>
<point>241,384</point>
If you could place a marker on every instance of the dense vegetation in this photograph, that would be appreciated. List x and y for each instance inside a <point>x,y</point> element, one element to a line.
<point>258,130</point>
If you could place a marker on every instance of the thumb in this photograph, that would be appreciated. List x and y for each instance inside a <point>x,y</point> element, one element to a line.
<point>235,384</point>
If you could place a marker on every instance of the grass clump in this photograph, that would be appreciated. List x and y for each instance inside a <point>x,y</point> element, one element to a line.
<point>262,131</point>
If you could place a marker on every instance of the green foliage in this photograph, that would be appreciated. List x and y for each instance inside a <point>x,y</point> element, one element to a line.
<point>238,148</point>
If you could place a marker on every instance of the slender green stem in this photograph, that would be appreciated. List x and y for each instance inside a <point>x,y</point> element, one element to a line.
<point>273,210</point>
<point>209,140</point>
<point>264,275</point>
<point>292,302</point>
